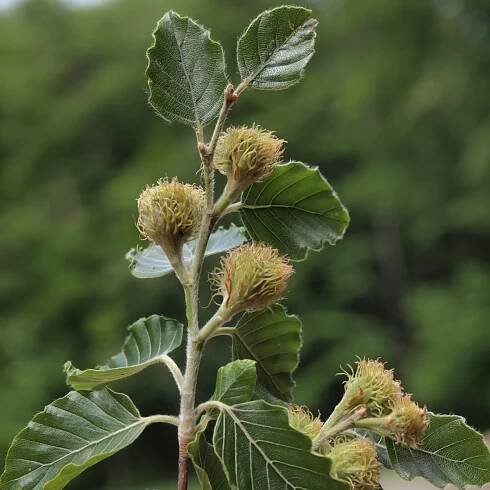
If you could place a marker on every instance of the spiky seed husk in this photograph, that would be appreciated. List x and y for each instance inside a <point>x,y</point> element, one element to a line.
<point>355,460</point>
<point>409,421</point>
<point>251,277</point>
<point>301,419</point>
<point>371,385</point>
<point>170,213</point>
<point>247,155</point>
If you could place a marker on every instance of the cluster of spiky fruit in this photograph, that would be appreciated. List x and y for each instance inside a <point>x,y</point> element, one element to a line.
<point>373,400</point>
<point>255,276</point>
<point>250,277</point>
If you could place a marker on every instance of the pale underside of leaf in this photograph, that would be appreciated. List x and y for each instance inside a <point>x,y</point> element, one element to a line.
<point>186,71</point>
<point>451,452</point>
<point>149,341</point>
<point>274,50</point>
<point>152,262</point>
<point>271,338</point>
<point>70,435</point>
<point>261,452</point>
<point>295,209</point>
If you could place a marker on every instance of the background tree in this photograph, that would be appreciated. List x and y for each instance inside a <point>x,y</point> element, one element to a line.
<point>399,121</point>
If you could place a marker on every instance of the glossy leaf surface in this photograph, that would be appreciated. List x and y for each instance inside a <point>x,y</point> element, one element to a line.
<point>295,209</point>
<point>235,382</point>
<point>272,338</point>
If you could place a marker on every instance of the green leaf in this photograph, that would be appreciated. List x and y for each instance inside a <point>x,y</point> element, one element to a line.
<point>260,450</point>
<point>275,48</point>
<point>295,209</point>
<point>272,338</point>
<point>186,71</point>
<point>208,467</point>
<point>70,435</point>
<point>152,261</point>
<point>451,452</point>
<point>149,341</point>
<point>235,382</point>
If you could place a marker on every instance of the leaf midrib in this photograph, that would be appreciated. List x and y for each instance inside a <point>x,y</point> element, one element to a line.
<point>445,458</point>
<point>52,463</point>
<point>263,65</point>
<point>191,92</point>
<point>259,449</point>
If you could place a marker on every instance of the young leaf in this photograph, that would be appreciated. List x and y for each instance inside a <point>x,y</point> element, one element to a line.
<point>186,71</point>
<point>260,450</point>
<point>235,382</point>
<point>152,261</point>
<point>208,467</point>
<point>272,338</point>
<point>451,452</point>
<point>70,435</point>
<point>149,341</point>
<point>275,48</point>
<point>295,209</point>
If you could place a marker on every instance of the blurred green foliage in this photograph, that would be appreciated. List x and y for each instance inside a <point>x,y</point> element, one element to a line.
<point>395,111</point>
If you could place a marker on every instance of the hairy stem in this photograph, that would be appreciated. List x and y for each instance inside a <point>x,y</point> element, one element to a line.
<point>224,331</point>
<point>230,97</point>
<point>219,318</point>
<point>187,418</point>
<point>340,426</point>
<point>162,419</point>
<point>174,370</point>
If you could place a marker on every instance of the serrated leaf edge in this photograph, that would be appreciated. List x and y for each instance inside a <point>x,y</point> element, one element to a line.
<point>307,250</point>
<point>207,33</point>
<point>247,81</point>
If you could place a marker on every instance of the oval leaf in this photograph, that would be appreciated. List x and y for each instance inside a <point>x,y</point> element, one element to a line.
<point>149,341</point>
<point>295,209</point>
<point>70,435</point>
<point>235,382</point>
<point>208,467</point>
<point>272,338</point>
<point>260,450</point>
<point>186,71</point>
<point>451,452</point>
<point>274,50</point>
<point>152,261</point>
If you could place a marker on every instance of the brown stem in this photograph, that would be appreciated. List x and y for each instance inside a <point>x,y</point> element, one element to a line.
<point>183,465</point>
